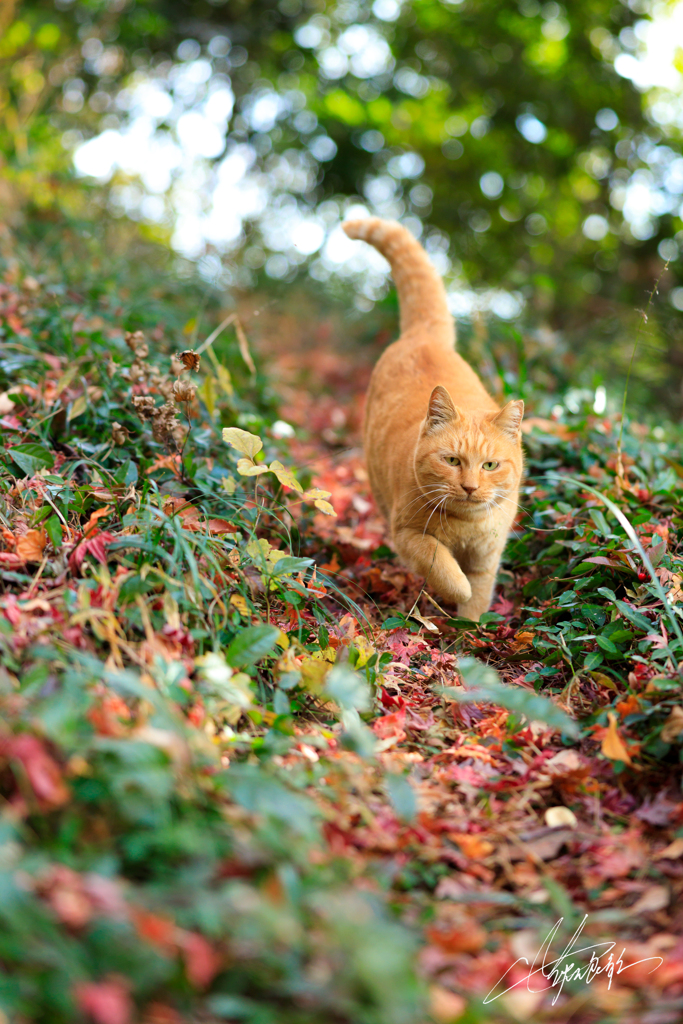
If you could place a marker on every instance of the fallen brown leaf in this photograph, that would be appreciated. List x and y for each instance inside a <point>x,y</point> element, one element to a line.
<point>612,743</point>
<point>30,547</point>
<point>673,726</point>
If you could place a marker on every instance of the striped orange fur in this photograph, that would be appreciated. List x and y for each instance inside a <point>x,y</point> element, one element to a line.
<point>444,460</point>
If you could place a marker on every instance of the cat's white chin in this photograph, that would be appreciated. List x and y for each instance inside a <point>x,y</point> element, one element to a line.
<point>467,508</point>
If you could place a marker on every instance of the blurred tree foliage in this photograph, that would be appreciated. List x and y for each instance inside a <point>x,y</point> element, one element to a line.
<point>502,126</point>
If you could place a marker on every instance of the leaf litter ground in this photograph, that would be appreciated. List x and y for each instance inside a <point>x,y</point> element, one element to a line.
<point>252,772</point>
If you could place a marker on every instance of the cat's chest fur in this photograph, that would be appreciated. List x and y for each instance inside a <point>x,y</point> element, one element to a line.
<point>470,540</point>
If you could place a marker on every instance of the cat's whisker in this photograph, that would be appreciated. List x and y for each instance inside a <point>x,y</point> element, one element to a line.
<point>522,508</point>
<point>517,504</point>
<point>440,508</point>
<point>424,494</point>
<point>432,513</point>
<point>429,500</point>
<point>502,497</point>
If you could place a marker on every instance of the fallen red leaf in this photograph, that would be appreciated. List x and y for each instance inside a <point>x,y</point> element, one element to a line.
<point>91,525</point>
<point>42,771</point>
<point>202,962</point>
<point>158,931</point>
<point>106,1002</point>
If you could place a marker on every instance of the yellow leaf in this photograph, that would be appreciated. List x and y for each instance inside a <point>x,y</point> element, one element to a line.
<point>427,623</point>
<point>248,468</point>
<point>238,602</point>
<point>207,393</point>
<point>286,477</point>
<point>258,549</point>
<point>243,441</point>
<point>229,484</point>
<point>78,408</point>
<point>313,674</point>
<point>224,379</point>
<point>365,650</point>
<point>324,506</point>
<point>282,641</point>
<point>603,680</point>
<point>66,378</point>
<point>315,492</point>
<point>190,325</point>
<point>171,611</point>
<point>612,744</point>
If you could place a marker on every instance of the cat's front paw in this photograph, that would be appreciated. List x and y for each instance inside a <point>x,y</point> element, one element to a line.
<point>456,590</point>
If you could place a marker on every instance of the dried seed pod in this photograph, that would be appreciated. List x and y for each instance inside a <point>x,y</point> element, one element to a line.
<point>164,423</point>
<point>144,406</point>
<point>179,433</point>
<point>190,359</point>
<point>134,340</point>
<point>183,391</point>
<point>119,434</point>
<point>137,371</point>
<point>176,366</point>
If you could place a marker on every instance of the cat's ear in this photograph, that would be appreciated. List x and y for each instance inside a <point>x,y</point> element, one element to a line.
<point>509,419</point>
<point>441,409</point>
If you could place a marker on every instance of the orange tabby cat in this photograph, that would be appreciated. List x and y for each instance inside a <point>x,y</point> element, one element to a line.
<point>444,460</point>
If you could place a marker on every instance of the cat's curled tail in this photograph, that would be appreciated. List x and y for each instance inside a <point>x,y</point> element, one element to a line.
<point>421,294</point>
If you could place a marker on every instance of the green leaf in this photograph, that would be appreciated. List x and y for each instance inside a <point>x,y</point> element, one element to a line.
<point>637,618</point>
<point>592,660</point>
<point>483,686</point>
<point>53,528</point>
<point>402,796</point>
<point>289,564</point>
<point>621,636</point>
<point>348,689</point>
<point>32,457</point>
<point>607,645</point>
<point>260,793</point>
<point>356,735</point>
<point>232,1007</point>
<point>251,645</point>
<point>598,518</point>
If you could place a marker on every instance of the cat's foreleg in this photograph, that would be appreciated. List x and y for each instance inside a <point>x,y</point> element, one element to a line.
<point>428,557</point>
<point>482,578</point>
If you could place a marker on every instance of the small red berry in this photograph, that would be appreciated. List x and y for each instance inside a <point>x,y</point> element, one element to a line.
<point>642,575</point>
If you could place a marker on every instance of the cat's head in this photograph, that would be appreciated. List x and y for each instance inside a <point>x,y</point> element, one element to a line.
<point>473,459</point>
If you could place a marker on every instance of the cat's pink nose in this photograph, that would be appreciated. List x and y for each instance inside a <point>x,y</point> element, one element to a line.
<point>470,490</point>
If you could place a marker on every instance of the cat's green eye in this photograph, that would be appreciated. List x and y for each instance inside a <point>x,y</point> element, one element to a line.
<point>490,465</point>
<point>453,460</point>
